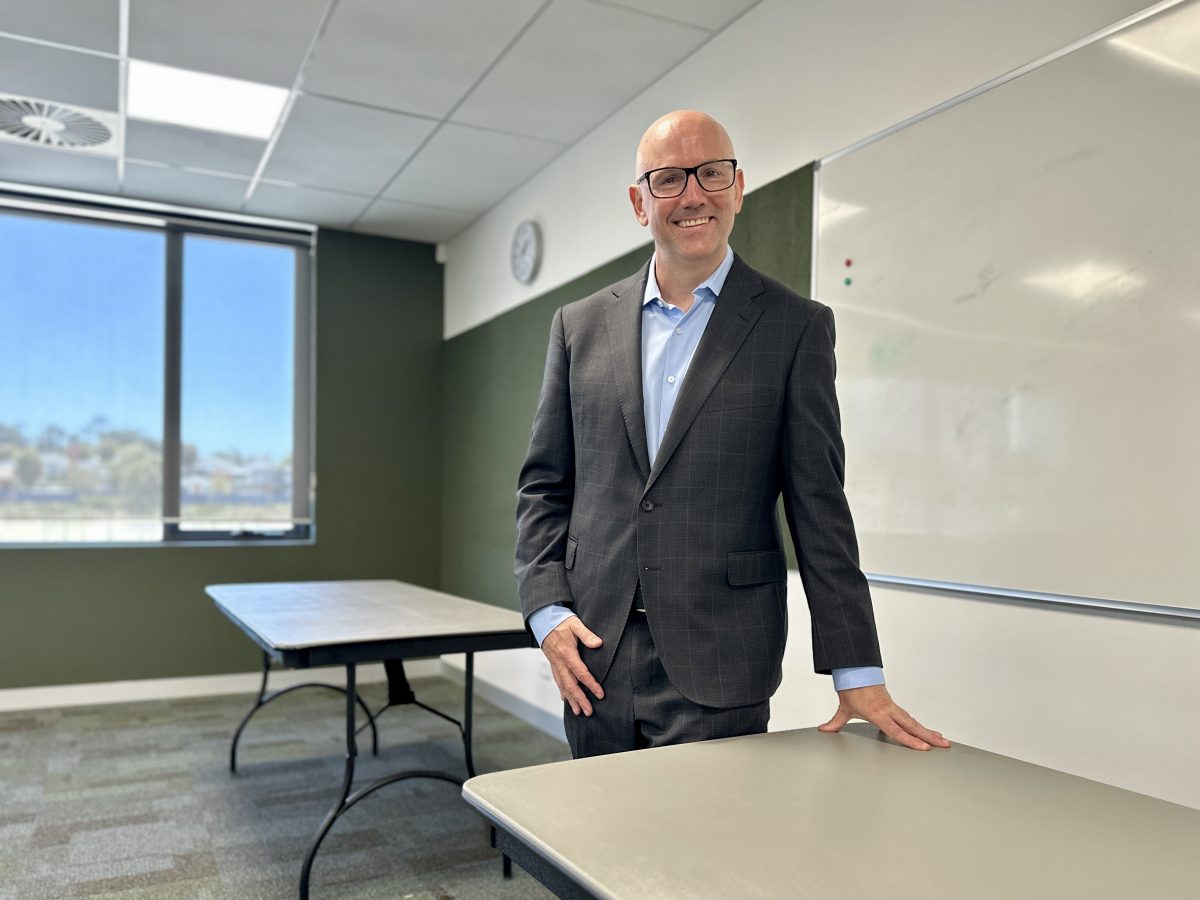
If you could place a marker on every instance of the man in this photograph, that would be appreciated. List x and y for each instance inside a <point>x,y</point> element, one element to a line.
<point>677,406</point>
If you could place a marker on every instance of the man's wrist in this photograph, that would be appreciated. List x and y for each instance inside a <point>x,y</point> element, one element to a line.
<point>543,621</point>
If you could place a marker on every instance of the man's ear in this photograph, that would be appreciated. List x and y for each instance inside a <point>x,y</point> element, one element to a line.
<point>639,206</point>
<point>739,185</point>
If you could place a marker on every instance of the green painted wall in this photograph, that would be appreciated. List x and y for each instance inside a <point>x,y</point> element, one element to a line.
<point>105,614</point>
<point>494,372</point>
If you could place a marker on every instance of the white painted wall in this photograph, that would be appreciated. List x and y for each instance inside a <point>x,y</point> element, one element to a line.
<point>1095,695</point>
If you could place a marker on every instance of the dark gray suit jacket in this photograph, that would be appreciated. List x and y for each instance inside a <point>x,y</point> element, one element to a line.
<point>756,417</point>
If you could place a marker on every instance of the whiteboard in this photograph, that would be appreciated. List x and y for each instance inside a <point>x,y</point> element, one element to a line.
<point>1019,343</point>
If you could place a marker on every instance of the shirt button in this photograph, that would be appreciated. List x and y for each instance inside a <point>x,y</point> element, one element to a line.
<point>647,505</point>
<point>679,331</point>
<point>670,379</point>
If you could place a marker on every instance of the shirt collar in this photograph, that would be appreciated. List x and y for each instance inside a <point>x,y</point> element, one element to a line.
<point>713,283</point>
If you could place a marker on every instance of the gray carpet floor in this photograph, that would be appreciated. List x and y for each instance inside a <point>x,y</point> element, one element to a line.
<point>137,801</point>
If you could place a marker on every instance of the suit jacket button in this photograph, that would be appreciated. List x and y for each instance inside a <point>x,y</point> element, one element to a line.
<point>647,505</point>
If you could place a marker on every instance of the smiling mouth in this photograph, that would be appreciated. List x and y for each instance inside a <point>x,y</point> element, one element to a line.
<point>692,223</point>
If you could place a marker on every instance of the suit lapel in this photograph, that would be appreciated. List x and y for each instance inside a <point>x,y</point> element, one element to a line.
<point>623,319</point>
<point>734,314</point>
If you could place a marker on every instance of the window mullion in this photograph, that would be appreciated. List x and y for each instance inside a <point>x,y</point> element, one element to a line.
<point>172,384</point>
<point>303,395</point>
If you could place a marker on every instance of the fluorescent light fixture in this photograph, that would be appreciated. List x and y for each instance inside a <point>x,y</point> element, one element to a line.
<point>1086,281</point>
<point>160,93</point>
<point>834,211</point>
<point>1171,40</point>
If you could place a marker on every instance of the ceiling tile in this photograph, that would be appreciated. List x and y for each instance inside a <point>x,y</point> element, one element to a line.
<point>258,40</point>
<point>57,168</point>
<point>413,56</point>
<point>332,209</point>
<point>48,73</point>
<point>712,14</point>
<point>168,185</point>
<point>413,223</point>
<point>94,24</point>
<point>470,169</point>
<point>601,56</point>
<point>192,147</point>
<point>337,145</point>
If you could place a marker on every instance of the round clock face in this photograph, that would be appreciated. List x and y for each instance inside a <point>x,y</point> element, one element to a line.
<point>526,251</point>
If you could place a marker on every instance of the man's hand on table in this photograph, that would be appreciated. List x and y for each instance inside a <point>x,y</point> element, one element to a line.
<point>561,647</point>
<point>875,705</point>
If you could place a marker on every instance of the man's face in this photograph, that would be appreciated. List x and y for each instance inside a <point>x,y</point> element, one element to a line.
<point>693,228</point>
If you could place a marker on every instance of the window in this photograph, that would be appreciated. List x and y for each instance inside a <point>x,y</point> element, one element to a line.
<point>155,378</point>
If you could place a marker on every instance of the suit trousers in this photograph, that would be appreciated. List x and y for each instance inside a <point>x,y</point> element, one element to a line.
<point>641,708</point>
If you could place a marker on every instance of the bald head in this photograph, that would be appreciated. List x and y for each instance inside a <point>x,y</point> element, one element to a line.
<point>679,136</point>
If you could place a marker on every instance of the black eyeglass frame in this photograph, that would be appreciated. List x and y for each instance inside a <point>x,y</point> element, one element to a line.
<point>688,172</point>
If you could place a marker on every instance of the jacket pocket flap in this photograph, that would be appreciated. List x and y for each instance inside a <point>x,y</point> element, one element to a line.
<point>742,399</point>
<point>569,559</point>
<point>757,567</point>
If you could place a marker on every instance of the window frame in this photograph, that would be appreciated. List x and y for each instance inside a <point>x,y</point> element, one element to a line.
<point>176,223</point>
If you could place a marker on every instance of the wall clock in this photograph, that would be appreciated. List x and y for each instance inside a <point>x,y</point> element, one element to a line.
<point>526,252</point>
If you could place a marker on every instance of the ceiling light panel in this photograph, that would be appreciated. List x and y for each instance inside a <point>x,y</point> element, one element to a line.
<point>159,93</point>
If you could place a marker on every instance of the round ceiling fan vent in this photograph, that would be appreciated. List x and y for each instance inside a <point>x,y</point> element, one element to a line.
<point>49,124</point>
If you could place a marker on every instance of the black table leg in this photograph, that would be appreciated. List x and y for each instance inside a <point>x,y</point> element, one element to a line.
<point>468,719</point>
<point>468,713</point>
<point>347,781</point>
<point>347,799</point>
<point>264,698</point>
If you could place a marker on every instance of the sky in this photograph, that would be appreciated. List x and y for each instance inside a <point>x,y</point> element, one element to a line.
<point>82,333</point>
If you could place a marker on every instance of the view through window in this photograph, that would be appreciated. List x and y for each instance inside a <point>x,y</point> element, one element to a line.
<point>141,405</point>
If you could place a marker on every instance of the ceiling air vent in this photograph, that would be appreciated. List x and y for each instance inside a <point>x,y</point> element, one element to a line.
<point>45,123</point>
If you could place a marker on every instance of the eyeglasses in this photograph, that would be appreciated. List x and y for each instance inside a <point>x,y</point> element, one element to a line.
<point>713,176</point>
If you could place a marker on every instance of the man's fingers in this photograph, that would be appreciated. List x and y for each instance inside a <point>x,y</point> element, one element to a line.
<point>585,635</point>
<point>915,728</point>
<point>570,672</point>
<point>840,718</point>
<point>570,667</point>
<point>889,718</point>
<point>568,689</point>
<point>893,730</point>
<point>584,676</point>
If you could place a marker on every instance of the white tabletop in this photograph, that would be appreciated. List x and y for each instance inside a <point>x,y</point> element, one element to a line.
<point>802,814</point>
<point>307,614</point>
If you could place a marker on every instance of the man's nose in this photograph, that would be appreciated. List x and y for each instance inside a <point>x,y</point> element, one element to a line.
<point>693,194</point>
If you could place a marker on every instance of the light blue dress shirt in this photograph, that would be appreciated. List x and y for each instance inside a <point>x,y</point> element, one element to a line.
<point>669,340</point>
